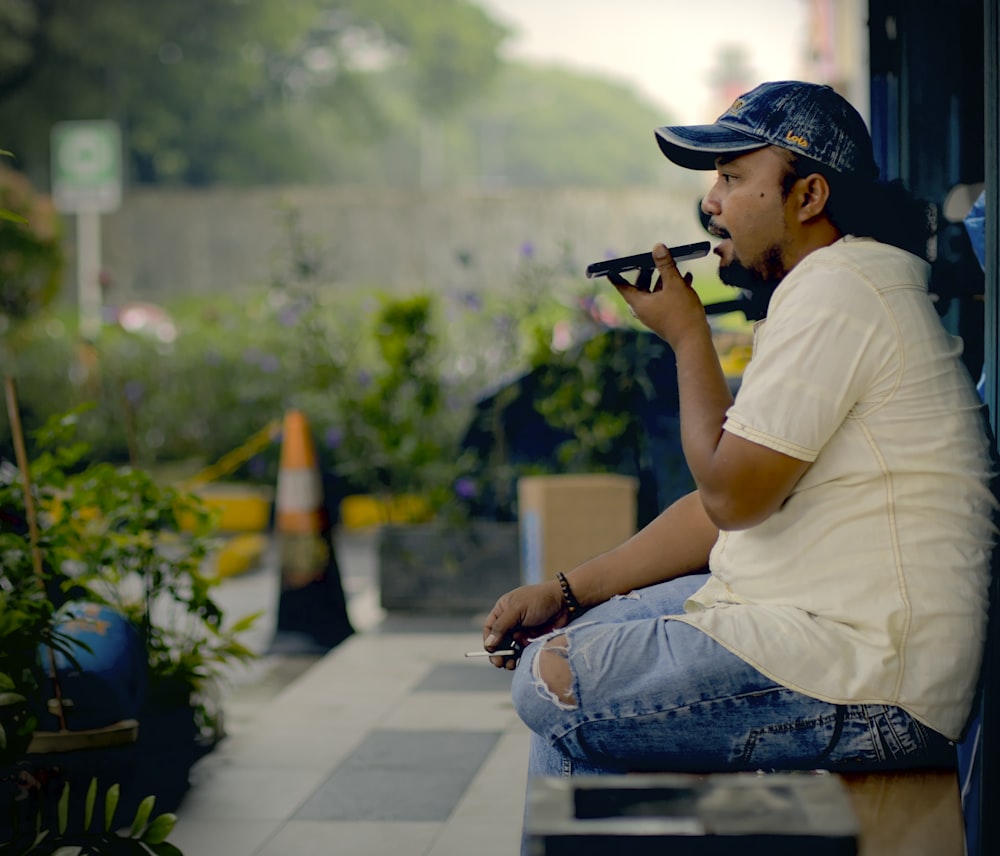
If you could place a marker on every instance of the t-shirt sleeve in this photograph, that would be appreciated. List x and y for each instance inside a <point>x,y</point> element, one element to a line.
<point>825,349</point>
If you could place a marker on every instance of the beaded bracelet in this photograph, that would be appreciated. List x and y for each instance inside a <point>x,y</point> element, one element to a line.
<point>572,604</point>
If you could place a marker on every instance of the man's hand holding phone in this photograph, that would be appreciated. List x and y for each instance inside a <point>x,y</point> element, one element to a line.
<point>644,263</point>
<point>674,306</point>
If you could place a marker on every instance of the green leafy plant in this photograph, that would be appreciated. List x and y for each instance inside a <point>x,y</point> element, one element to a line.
<point>113,535</point>
<point>31,256</point>
<point>89,829</point>
<point>26,623</point>
<point>589,392</point>
<point>16,721</point>
<point>398,433</point>
<point>378,384</point>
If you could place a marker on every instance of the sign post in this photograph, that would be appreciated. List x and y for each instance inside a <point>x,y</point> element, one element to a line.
<point>87,182</point>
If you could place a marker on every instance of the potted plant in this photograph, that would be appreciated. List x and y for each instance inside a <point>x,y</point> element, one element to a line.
<point>401,434</point>
<point>113,537</point>
<point>30,266</point>
<point>25,623</point>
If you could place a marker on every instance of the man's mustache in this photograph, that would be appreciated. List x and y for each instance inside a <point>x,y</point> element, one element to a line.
<point>718,231</point>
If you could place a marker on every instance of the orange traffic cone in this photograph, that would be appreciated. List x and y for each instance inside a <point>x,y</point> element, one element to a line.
<point>300,518</point>
<point>312,611</point>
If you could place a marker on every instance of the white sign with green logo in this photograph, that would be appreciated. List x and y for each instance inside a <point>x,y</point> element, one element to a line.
<point>86,166</point>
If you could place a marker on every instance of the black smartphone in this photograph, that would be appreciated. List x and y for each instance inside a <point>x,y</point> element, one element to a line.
<point>644,261</point>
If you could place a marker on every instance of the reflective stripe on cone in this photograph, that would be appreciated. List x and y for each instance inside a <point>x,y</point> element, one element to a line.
<point>299,501</point>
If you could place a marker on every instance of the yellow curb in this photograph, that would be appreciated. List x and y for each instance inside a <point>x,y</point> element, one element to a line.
<point>239,554</point>
<point>361,510</point>
<point>240,508</point>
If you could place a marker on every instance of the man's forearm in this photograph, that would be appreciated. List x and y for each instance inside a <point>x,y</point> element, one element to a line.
<point>676,543</point>
<point>704,400</point>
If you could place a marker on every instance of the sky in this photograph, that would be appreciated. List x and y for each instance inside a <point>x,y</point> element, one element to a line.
<point>665,48</point>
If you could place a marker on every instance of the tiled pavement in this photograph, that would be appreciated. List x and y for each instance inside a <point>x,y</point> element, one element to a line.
<point>393,742</point>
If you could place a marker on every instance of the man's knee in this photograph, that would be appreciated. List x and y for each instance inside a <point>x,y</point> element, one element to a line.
<point>552,669</point>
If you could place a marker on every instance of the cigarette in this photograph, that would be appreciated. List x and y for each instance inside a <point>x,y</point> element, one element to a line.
<point>506,652</point>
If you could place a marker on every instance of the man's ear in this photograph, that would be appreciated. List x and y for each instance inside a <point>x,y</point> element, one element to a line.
<point>814,194</point>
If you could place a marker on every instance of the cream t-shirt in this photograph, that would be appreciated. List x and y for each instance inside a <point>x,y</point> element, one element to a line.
<point>869,584</point>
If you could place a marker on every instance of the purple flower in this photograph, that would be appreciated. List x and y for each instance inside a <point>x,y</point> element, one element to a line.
<point>465,488</point>
<point>134,391</point>
<point>527,250</point>
<point>289,316</point>
<point>504,324</point>
<point>269,363</point>
<point>333,438</point>
<point>472,301</point>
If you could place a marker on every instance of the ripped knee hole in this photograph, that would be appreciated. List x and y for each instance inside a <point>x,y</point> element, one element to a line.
<point>553,669</point>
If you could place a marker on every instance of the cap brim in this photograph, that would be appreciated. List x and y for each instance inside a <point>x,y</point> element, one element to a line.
<point>697,146</point>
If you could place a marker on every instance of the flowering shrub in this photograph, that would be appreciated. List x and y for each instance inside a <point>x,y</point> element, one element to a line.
<point>390,383</point>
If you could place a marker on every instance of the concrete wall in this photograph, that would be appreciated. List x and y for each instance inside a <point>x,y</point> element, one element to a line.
<point>166,243</point>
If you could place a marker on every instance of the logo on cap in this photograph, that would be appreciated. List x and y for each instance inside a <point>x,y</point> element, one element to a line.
<point>799,140</point>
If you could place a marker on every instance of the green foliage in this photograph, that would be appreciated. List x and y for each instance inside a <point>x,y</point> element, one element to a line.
<point>589,392</point>
<point>388,382</point>
<point>396,383</point>
<point>16,721</point>
<point>214,90</point>
<point>31,255</point>
<point>397,434</point>
<point>113,535</point>
<point>534,126</point>
<point>377,92</point>
<point>551,126</point>
<point>26,622</point>
<point>450,49</point>
<point>74,826</point>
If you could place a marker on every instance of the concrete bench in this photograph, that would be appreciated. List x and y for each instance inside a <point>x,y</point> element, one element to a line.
<point>906,812</point>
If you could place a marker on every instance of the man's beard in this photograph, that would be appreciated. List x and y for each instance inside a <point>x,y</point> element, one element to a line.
<point>767,275</point>
<point>756,284</point>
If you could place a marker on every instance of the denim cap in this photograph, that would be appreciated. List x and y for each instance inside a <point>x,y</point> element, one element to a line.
<point>810,119</point>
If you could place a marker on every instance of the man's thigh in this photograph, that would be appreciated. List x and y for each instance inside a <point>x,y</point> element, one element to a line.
<point>650,693</point>
<point>651,602</point>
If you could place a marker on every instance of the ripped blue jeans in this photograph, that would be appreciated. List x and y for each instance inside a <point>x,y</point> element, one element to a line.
<point>656,695</point>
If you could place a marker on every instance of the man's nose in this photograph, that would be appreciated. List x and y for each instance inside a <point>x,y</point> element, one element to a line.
<point>709,205</point>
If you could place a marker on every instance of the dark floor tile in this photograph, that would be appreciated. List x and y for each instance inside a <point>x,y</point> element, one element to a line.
<point>418,622</point>
<point>401,776</point>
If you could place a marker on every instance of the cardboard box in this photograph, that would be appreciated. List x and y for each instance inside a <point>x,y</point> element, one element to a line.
<point>565,520</point>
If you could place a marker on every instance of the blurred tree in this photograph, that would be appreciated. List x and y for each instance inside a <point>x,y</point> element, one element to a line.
<point>23,32</point>
<point>205,89</point>
<point>552,125</point>
<point>535,126</point>
<point>31,255</point>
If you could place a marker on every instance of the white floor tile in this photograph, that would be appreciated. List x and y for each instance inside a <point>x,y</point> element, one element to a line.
<point>212,838</point>
<point>244,793</point>
<point>318,838</point>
